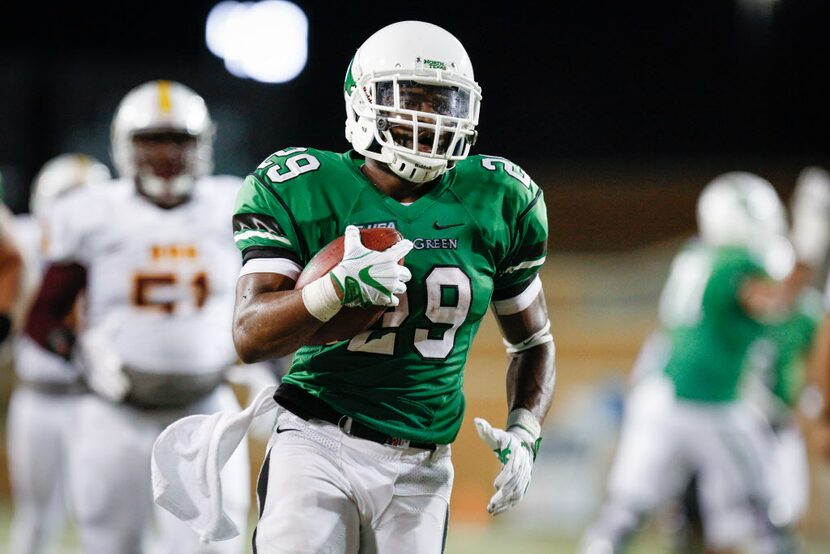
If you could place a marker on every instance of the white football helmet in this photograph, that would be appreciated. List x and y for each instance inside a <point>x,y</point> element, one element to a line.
<point>162,107</point>
<point>742,209</point>
<point>62,174</point>
<point>739,208</point>
<point>396,75</point>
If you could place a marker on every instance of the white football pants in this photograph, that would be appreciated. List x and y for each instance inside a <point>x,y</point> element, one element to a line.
<point>790,476</point>
<point>322,491</point>
<point>111,486</point>
<point>664,440</point>
<point>38,436</point>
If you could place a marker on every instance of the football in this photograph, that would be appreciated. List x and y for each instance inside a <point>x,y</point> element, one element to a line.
<point>348,322</point>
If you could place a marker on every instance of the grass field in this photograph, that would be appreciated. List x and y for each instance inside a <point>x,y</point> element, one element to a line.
<point>461,539</point>
<point>465,538</point>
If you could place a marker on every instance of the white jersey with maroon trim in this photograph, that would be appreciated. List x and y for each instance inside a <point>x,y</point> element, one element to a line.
<point>162,280</point>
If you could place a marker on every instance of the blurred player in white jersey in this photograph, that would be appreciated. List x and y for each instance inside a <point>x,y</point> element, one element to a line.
<point>40,409</point>
<point>153,255</point>
<point>684,416</point>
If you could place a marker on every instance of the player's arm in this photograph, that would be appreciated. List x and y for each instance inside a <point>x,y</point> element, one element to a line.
<point>821,359</point>
<point>531,370</point>
<point>271,319</point>
<point>821,369</point>
<point>11,268</point>
<point>767,284</point>
<point>761,299</point>
<point>65,276</point>
<point>47,323</point>
<point>521,311</point>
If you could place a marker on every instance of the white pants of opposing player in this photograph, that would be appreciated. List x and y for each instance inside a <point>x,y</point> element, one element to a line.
<point>111,486</point>
<point>664,440</point>
<point>40,428</point>
<point>322,491</point>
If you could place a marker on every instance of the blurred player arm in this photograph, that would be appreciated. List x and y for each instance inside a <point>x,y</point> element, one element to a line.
<point>821,369</point>
<point>11,268</point>
<point>768,293</point>
<point>47,322</point>
<point>763,299</point>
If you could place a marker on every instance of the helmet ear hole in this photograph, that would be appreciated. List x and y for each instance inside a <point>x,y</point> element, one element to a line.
<point>363,133</point>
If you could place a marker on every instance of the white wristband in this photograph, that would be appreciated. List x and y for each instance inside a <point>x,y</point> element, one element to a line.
<point>320,298</point>
<point>525,421</point>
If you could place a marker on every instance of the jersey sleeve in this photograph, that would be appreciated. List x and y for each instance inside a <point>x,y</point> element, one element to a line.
<point>516,274</point>
<point>264,231</point>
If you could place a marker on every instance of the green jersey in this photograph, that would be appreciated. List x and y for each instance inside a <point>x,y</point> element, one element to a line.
<point>480,235</point>
<point>710,331</point>
<point>790,342</point>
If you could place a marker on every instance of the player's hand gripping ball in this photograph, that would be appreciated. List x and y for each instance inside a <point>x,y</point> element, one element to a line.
<point>349,321</point>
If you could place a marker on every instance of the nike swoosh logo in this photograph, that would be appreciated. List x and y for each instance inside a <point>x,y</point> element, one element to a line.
<point>439,227</point>
<point>369,280</point>
<point>279,430</point>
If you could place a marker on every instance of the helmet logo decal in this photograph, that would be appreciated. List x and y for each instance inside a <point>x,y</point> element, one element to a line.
<point>164,96</point>
<point>432,64</point>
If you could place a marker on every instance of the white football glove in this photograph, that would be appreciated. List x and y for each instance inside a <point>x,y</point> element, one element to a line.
<point>516,450</point>
<point>368,277</point>
<point>101,364</point>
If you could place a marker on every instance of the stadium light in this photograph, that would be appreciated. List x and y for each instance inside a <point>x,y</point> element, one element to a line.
<point>265,41</point>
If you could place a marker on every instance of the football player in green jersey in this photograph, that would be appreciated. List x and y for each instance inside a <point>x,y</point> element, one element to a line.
<point>782,357</point>
<point>360,457</point>
<point>724,289</point>
<point>777,373</point>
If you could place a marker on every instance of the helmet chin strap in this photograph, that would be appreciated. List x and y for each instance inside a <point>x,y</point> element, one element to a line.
<point>414,168</point>
<point>164,190</point>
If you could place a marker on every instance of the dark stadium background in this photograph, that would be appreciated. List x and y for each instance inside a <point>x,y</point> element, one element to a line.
<point>580,93</point>
<point>621,111</point>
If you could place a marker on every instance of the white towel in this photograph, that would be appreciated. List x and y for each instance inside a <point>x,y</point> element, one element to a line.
<point>188,457</point>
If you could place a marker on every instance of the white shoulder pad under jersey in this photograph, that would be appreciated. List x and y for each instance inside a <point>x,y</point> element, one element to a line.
<point>219,192</point>
<point>75,219</point>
